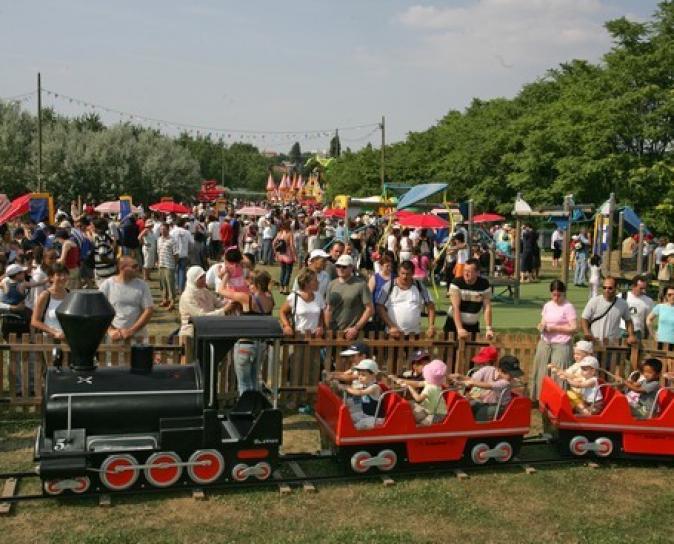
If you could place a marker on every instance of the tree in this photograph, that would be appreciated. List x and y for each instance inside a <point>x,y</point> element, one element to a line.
<point>335,146</point>
<point>295,154</point>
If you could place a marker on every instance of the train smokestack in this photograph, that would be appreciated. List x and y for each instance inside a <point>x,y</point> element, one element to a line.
<point>85,317</point>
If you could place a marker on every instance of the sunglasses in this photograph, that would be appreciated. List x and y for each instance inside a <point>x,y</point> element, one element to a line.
<point>608,287</point>
<point>341,266</point>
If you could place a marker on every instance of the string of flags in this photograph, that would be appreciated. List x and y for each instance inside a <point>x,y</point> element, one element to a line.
<point>357,132</point>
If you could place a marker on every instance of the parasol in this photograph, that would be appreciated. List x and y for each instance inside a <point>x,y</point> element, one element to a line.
<point>252,211</point>
<point>488,218</point>
<point>169,207</point>
<point>422,221</point>
<point>111,206</point>
<point>334,212</point>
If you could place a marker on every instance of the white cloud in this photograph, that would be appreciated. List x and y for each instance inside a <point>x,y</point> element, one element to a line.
<point>505,34</point>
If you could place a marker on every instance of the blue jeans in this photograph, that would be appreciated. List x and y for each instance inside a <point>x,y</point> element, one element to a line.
<point>181,273</point>
<point>247,359</point>
<point>286,272</point>
<point>580,273</point>
<point>266,251</point>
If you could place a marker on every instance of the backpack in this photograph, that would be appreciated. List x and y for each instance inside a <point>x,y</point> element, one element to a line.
<point>280,246</point>
<point>86,250</point>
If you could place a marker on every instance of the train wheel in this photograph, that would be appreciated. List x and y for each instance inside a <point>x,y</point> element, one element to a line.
<point>504,452</point>
<point>262,471</point>
<point>389,459</point>
<point>205,466</point>
<point>163,469</point>
<point>83,484</point>
<point>604,446</point>
<point>358,462</point>
<point>53,487</point>
<point>119,472</point>
<point>240,472</point>
<point>578,445</point>
<point>479,453</point>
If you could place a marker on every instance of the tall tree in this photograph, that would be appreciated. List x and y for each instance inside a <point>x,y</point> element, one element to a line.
<point>335,146</point>
<point>295,154</point>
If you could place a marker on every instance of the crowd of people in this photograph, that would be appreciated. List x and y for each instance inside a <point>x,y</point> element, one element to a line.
<point>364,274</point>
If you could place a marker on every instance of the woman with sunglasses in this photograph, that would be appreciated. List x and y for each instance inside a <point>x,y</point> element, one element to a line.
<point>664,314</point>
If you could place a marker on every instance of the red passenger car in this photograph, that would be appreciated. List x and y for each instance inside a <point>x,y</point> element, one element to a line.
<point>398,439</point>
<point>614,431</point>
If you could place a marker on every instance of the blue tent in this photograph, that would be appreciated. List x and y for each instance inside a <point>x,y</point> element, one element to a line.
<point>419,193</point>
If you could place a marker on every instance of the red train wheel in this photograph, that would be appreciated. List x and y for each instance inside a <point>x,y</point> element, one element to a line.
<point>262,471</point>
<point>479,453</point>
<point>163,469</point>
<point>578,445</point>
<point>605,446</point>
<point>83,484</point>
<point>240,472</point>
<point>53,487</point>
<point>119,472</point>
<point>505,452</point>
<point>209,468</point>
<point>357,462</point>
<point>390,458</point>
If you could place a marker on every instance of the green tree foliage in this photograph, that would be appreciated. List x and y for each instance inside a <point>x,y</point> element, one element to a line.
<point>335,146</point>
<point>295,154</point>
<point>581,128</point>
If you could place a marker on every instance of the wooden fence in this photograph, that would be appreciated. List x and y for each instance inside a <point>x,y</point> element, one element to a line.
<point>303,360</point>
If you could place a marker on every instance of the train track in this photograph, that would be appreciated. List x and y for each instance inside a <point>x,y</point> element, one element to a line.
<point>301,479</point>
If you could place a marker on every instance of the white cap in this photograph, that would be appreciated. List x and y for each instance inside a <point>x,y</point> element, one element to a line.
<point>318,253</point>
<point>367,364</point>
<point>669,249</point>
<point>344,260</point>
<point>589,361</point>
<point>65,224</point>
<point>584,345</point>
<point>14,269</point>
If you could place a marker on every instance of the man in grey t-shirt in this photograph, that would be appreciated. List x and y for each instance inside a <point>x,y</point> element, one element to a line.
<point>131,298</point>
<point>602,314</point>
<point>349,301</point>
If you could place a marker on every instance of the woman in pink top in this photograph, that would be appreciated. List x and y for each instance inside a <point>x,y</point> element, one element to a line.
<point>421,263</point>
<point>558,325</point>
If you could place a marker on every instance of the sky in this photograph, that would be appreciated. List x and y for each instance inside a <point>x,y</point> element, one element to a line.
<point>271,73</point>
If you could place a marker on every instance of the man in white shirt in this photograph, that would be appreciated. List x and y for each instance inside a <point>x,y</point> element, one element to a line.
<point>400,304</point>
<point>267,239</point>
<point>183,239</point>
<point>556,244</point>
<point>214,243</point>
<point>392,241</point>
<point>640,306</point>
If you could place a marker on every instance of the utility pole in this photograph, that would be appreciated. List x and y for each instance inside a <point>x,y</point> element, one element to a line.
<point>39,133</point>
<point>382,126</point>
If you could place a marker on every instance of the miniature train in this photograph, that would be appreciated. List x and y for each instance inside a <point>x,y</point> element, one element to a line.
<point>114,429</point>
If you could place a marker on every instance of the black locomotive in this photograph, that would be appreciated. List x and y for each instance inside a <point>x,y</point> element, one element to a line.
<point>115,428</point>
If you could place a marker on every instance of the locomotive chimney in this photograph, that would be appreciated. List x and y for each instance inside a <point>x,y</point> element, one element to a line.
<point>85,317</point>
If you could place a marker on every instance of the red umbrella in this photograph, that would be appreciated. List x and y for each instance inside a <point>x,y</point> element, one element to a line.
<point>334,212</point>
<point>488,218</point>
<point>169,207</point>
<point>17,207</point>
<point>422,221</point>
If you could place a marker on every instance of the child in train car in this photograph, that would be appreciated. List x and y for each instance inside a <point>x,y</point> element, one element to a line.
<point>365,415</point>
<point>586,398</point>
<point>581,350</point>
<point>494,387</point>
<point>416,363</point>
<point>429,405</point>
<point>644,390</point>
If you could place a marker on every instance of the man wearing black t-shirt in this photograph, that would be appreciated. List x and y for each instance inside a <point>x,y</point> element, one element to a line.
<point>468,296</point>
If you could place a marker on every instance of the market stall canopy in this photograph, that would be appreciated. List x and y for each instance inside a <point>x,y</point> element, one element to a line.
<point>334,212</point>
<point>169,207</point>
<point>252,211</point>
<point>488,218</point>
<point>112,207</point>
<point>422,221</point>
<point>17,207</point>
<point>419,193</point>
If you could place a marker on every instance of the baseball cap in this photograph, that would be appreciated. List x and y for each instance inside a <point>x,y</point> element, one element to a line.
<point>434,372</point>
<point>511,365</point>
<point>418,355</point>
<point>344,260</point>
<point>367,364</point>
<point>589,361</point>
<point>488,354</point>
<point>14,269</point>
<point>584,345</point>
<point>318,253</point>
<point>357,348</point>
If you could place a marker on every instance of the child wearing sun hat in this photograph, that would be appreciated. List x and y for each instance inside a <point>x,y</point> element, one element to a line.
<point>429,407</point>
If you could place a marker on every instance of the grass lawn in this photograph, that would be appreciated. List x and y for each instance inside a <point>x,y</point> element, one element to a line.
<point>575,504</point>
